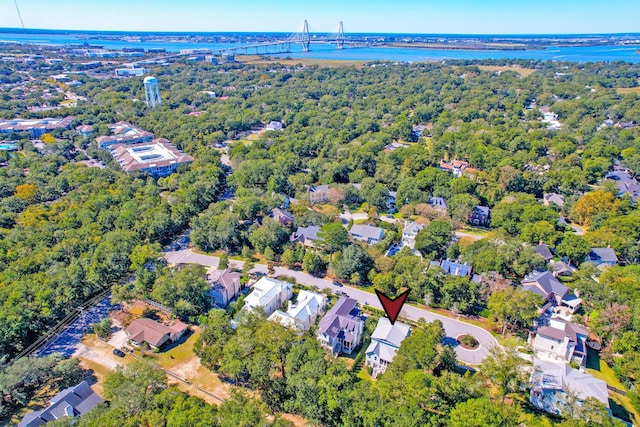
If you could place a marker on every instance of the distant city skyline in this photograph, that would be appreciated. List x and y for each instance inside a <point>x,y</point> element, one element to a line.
<point>359,16</point>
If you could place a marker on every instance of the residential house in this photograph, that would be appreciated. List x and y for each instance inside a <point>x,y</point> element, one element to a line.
<point>84,130</point>
<point>480,215</point>
<point>341,329</point>
<point>282,216</point>
<point>455,167</point>
<point>391,201</point>
<point>551,381</point>
<point>303,313</point>
<point>561,268</point>
<point>306,235</point>
<point>602,257</point>
<point>275,125</point>
<point>155,334</point>
<point>393,146</point>
<point>625,182</point>
<point>544,251</point>
<point>318,194</point>
<point>385,342</point>
<point>409,233</point>
<point>561,341</point>
<point>71,402</point>
<point>224,286</point>
<point>367,233</point>
<point>553,198</point>
<point>551,289</point>
<point>269,295</point>
<point>455,268</point>
<point>438,202</point>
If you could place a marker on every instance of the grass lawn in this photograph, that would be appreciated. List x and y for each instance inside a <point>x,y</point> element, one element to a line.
<point>620,405</point>
<point>626,90</point>
<point>475,230</point>
<point>363,375</point>
<point>524,72</point>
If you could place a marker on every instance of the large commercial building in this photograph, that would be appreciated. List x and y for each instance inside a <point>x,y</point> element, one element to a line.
<point>124,133</point>
<point>36,127</point>
<point>158,158</point>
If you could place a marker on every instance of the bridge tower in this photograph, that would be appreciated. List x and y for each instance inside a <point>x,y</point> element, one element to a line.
<point>341,38</point>
<point>306,38</point>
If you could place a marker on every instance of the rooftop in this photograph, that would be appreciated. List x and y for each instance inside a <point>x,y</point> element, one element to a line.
<point>157,153</point>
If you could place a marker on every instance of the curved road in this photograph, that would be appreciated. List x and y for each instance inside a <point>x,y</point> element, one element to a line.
<point>453,328</point>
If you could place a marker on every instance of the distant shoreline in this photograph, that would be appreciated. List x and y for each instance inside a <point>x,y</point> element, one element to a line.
<point>445,46</point>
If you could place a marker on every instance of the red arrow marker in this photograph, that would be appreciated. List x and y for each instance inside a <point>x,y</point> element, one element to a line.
<point>392,307</point>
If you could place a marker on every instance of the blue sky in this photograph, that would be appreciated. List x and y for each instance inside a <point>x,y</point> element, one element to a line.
<point>407,16</point>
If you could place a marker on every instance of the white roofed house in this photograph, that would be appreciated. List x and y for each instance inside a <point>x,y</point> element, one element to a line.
<point>303,313</point>
<point>367,233</point>
<point>341,329</point>
<point>318,194</point>
<point>552,381</point>
<point>409,233</point>
<point>268,294</point>
<point>225,286</point>
<point>385,342</point>
<point>561,341</point>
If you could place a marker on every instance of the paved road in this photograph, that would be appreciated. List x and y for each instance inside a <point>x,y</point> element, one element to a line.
<point>67,341</point>
<point>452,327</point>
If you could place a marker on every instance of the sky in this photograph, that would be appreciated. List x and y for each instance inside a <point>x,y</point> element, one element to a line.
<point>376,16</point>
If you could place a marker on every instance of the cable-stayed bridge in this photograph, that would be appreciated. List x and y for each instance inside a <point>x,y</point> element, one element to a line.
<point>303,38</point>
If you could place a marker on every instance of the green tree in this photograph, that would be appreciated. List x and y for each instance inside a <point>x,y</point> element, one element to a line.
<point>432,240</point>
<point>573,247</point>
<point>333,236</point>
<point>514,307</point>
<point>313,264</point>
<point>353,260</point>
<point>223,263</point>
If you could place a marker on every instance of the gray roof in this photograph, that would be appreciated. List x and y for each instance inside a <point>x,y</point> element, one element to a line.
<point>543,283</point>
<point>558,199</point>
<point>603,255</point>
<point>390,334</point>
<point>455,268</point>
<point>310,232</point>
<point>481,210</point>
<point>544,250</point>
<point>73,401</point>
<point>315,188</point>
<point>367,231</point>
<point>561,376</point>
<point>437,201</point>
<point>343,316</point>
<point>553,333</point>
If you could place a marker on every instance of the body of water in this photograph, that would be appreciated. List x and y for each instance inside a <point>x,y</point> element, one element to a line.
<point>327,51</point>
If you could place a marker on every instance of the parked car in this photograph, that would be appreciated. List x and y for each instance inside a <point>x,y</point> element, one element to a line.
<point>118,353</point>
<point>335,282</point>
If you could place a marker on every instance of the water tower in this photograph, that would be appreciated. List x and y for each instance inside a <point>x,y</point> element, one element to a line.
<point>152,92</point>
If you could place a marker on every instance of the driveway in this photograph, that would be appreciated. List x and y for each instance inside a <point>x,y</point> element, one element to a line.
<point>452,327</point>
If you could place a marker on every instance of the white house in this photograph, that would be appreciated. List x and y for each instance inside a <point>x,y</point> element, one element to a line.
<point>409,234</point>
<point>268,294</point>
<point>551,381</point>
<point>385,342</point>
<point>303,314</point>
<point>561,341</point>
